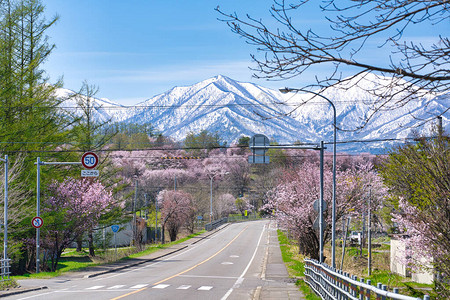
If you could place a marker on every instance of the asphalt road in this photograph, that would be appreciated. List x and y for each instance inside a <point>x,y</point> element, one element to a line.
<point>230,264</point>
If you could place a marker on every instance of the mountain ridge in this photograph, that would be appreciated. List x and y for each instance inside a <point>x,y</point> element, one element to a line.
<point>232,109</point>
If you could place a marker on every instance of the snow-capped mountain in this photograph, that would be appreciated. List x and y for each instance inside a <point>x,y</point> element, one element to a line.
<point>233,109</point>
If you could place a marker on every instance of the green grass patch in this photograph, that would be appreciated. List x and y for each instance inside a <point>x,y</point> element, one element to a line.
<point>294,264</point>
<point>7,284</point>
<point>71,260</point>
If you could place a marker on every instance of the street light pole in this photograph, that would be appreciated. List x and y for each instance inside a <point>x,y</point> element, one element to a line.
<point>210,205</point>
<point>211,194</point>
<point>333,230</point>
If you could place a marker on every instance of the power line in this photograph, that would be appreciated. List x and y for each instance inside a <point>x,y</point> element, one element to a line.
<point>192,148</point>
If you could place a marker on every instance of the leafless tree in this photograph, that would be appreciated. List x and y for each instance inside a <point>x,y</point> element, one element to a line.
<point>415,70</point>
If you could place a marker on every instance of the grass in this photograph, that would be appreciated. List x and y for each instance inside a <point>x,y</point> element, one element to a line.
<point>71,260</point>
<point>294,264</point>
<point>11,283</point>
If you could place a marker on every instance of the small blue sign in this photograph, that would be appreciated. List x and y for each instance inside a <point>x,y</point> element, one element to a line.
<point>115,228</point>
<point>199,218</point>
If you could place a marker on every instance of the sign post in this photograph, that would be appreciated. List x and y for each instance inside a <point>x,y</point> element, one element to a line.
<point>5,211</point>
<point>114,229</point>
<point>89,160</point>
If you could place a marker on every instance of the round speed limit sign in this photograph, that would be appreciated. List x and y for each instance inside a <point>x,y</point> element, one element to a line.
<point>89,160</point>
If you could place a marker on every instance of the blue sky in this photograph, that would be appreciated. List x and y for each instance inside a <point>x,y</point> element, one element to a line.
<point>135,49</point>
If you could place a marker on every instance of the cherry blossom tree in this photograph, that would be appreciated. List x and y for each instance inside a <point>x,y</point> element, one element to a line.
<point>224,205</point>
<point>176,209</point>
<point>418,179</point>
<point>291,202</point>
<point>69,209</point>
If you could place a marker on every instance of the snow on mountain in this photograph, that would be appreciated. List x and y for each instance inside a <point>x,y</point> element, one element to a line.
<point>221,105</point>
<point>233,109</point>
<point>105,109</point>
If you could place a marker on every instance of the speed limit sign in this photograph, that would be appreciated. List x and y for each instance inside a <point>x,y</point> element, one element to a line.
<point>89,160</point>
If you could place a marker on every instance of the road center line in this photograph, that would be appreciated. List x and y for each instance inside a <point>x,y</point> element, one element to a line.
<point>193,267</point>
<point>241,278</point>
<point>161,261</point>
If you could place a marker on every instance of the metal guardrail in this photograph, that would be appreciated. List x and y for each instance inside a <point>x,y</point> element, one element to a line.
<point>215,224</point>
<point>4,269</point>
<point>250,217</point>
<point>330,283</point>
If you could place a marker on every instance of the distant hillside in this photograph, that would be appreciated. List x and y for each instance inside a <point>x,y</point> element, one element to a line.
<point>233,109</point>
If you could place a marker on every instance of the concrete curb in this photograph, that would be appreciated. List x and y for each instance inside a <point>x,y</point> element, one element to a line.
<point>21,291</point>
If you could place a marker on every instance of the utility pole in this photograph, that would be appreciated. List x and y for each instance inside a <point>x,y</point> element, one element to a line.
<point>369,235</point>
<point>156,219</point>
<point>134,211</point>
<point>5,214</point>
<point>321,221</point>
<point>38,203</point>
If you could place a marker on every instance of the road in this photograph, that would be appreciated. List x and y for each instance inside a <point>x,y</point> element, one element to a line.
<point>233,263</point>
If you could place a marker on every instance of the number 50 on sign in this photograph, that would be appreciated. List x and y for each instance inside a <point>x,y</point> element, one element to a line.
<point>89,160</point>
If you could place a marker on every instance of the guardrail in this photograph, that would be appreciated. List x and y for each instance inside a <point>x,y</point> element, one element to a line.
<point>4,269</point>
<point>250,217</point>
<point>215,224</point>
<point>330,283</point>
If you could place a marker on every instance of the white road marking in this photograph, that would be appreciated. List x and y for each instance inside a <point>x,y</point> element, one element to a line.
<point>160,286</point>
<point>234,256</point>
<point>138,286</point>
<point>241,278</point>
<point>183,287</point>
<point>204,288</point>
<point>227,263</point>
<point>95,287</point>
<point>168,258</point>
<point>38,295</point>
<point>116,287</point>
<point>205,276</point>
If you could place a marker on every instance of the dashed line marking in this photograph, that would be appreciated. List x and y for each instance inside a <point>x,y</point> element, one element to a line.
<point>138,286</point>
<point>116,287</point>
<point>160,286</point>
<point>95,287</point>
<point>204,288</point>
<point>183,287</point>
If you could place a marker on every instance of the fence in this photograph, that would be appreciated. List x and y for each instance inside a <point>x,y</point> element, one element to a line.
<point>4,269</point>
<point>329,283</point>
<point>215,224</point>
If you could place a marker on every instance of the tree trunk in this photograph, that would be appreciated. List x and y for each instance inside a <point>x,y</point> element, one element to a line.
<point>80,243</point>
<point>91,244</point>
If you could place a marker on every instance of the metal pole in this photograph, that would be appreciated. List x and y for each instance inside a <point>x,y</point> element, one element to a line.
<point>321,205</point>
<point>156,219</point>
<point>5,237</point>
<point>115,244</point>
<point>134,211</point>
<point>344,242</point>
<point>210,206</point>
<point>38,203</point>
<point>333,212</point>
<point>369,236</point>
